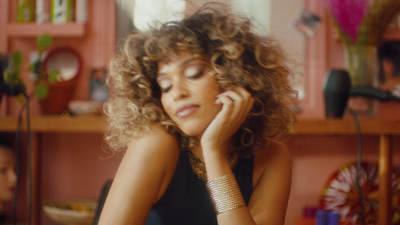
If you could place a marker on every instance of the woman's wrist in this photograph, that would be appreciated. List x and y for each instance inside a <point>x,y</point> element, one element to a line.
<point>225,193</point>
<point>217,164</point>
<point>215,149</point>
<point>215,157</point>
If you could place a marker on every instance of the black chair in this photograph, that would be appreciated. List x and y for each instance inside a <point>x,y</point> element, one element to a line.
<point>102,199</point>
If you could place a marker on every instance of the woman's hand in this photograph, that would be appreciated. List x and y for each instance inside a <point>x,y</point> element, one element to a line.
<point>236,105</point>
<point>215,142</point>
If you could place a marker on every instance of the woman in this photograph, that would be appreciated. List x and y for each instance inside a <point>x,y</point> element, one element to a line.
<point>198,109</point>
<point>8,177</point>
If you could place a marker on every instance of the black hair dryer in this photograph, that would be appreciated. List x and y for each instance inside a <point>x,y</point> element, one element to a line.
<point>338,89</point>
<point>5,87</point>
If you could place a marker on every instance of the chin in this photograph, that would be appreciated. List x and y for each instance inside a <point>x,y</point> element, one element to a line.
<point>195,126</point>
<point>193,130</point>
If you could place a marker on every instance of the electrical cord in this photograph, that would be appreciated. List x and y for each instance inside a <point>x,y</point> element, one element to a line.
<point>28,129</point>
<point>359,168</point>
<point>18,169</point>
<point>18,153</point>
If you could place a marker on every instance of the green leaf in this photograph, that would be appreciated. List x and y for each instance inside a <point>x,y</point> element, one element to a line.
<point>14,76</point>
<point>21,99</point>
<point>22,84</point>
<point>38,68</point>
<point>17,58</point>
<point>41,91</point>
<point>44,41</point>
<point>53,76</point>
<point>31,67</point>
<point>7,75</point>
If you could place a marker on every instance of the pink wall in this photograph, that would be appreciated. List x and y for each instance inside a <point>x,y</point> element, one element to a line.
<point>315,158</point>
<point>75,166</point>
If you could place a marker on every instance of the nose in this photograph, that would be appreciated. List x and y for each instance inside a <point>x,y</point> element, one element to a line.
<point>179,90</point>
<point>12,176</point>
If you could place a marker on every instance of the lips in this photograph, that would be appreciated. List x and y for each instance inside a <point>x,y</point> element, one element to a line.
<point>186,111</point>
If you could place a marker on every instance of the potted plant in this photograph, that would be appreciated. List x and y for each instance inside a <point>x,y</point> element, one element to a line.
<point>53,87</point>
<point>42,79</point>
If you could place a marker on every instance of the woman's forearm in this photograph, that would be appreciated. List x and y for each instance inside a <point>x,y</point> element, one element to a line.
<point>223,188</point>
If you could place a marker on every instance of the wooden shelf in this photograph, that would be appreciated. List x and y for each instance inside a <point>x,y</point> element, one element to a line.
<point>96,124</point>
<point>55,30</point>
<point>346,127</point>
<point>78,124</point>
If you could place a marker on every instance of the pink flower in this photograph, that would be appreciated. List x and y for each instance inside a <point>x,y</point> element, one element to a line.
<point>349,15</point>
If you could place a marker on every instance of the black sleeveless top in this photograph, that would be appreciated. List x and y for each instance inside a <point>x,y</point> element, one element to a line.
<point>186,200</point>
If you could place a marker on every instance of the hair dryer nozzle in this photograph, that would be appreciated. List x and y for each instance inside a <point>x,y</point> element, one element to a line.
<point>373,93</point>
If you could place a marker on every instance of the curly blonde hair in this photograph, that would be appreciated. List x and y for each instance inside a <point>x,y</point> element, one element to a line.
<point>239,57</point>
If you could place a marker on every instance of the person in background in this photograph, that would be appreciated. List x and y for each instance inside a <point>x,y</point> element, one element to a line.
<point>8,177</point>
<point>389,67</point>
<point>200,109</point>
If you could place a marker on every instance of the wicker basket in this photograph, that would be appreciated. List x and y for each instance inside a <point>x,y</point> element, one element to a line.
<point>74,212</point>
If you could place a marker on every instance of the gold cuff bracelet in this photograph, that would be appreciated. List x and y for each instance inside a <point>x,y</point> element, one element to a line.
<point>225,193</point>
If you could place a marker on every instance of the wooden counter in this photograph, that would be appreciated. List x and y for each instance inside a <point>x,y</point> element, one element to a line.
<point>96,124</point>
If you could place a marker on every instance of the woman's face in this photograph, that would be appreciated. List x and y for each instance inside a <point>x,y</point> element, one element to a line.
<point>8,176</point>
<point>189,91</point>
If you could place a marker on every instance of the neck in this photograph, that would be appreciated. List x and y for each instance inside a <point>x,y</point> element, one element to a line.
<point>198,152</point>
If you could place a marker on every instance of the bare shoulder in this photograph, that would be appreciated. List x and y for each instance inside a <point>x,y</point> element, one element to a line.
<point>156,146</point>
<point>275,158</point>
<point>154,139</point>
<point>271,182</point>
<point>275,151</point>
<point>142,177</point>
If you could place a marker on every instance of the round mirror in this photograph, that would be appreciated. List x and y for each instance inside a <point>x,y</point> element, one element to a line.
<point>64,59</point>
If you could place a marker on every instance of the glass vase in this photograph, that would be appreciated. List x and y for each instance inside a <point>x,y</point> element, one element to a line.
<point>362,65</point>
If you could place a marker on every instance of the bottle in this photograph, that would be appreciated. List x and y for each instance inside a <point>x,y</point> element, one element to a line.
<point>333,218</point>
<point>40,11</point>
<point>25,11</point>
<point>62,11</point>
<point>321,217</point>
<point>81,11</point>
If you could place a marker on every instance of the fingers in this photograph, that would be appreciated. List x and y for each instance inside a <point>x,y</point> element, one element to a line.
<point>236,105</point>
<point>238,102</point>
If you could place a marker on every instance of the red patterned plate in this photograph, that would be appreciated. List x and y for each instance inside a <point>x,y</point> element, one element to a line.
<point>340,193</point>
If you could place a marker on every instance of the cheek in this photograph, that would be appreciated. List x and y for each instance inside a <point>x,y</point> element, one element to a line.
<point>166,104</point>
<point>3,179</point>
<point>210,93</point>
<point>208,88</point>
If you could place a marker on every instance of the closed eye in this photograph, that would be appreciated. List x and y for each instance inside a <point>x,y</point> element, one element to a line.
<point>165,85</point>
<point>190,69</point>
<point>194,72</point>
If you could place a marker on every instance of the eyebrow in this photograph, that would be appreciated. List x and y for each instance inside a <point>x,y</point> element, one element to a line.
<point>182,64</point>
